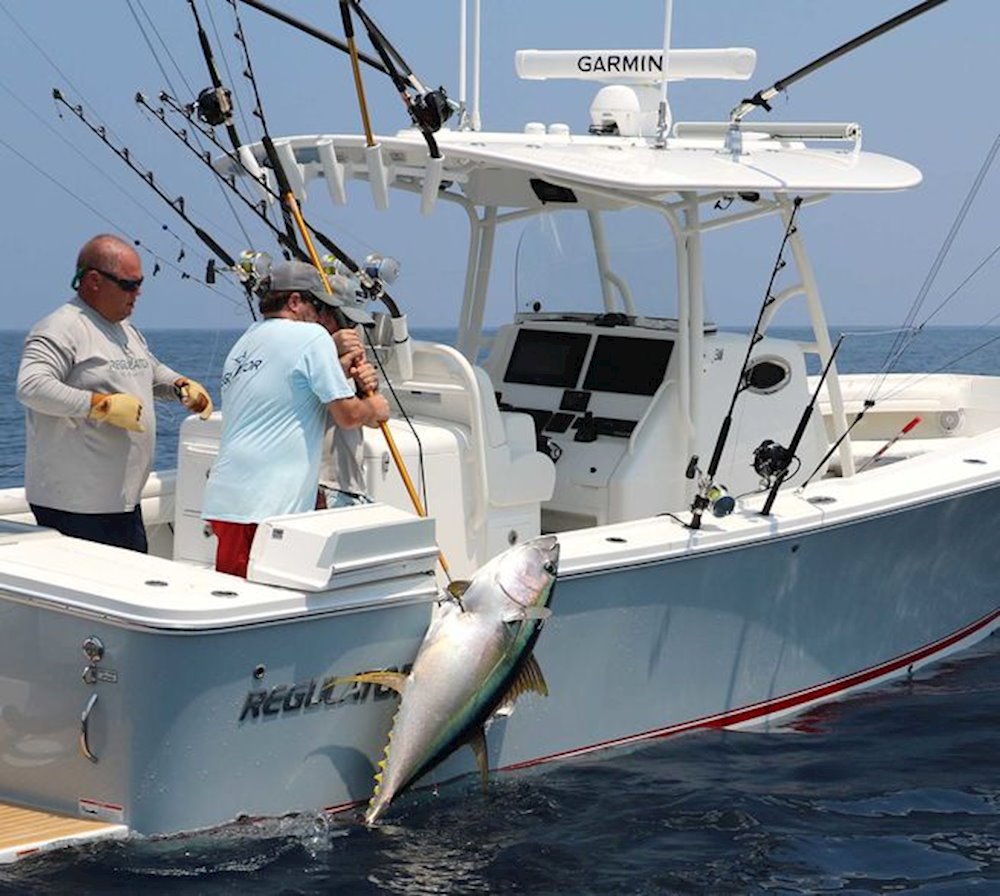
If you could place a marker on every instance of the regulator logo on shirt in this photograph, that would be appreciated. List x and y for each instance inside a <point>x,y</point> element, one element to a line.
<point>126,365</point>
<point>244,364</point>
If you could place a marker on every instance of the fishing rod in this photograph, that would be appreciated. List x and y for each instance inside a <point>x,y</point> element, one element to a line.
<point>702,498</point>
<point>428,109</point>
<point>368,275</point>
<point>292,213</point>
<point>784,458</point>
<point>176,203</point>
<point>763,98</point>
<point>259,209</point>
<point>867,406</point>
<point>312,31</point>
<point>288,204</point>
<point>874,458</point>
<point>214,105</point>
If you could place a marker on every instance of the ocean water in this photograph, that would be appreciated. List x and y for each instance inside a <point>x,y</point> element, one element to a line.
<point>896,790</point>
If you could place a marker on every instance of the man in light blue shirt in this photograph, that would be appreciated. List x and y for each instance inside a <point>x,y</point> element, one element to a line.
<point>281,379</point>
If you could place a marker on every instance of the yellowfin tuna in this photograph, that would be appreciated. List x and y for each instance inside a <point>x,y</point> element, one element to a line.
<point>475,657</point>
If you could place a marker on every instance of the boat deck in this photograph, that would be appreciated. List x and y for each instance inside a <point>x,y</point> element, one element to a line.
<point>26,831</point>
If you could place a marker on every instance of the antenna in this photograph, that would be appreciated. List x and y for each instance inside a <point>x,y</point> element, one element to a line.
<point>663,117</point>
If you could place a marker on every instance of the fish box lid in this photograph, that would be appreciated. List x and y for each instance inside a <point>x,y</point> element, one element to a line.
<point>345,546</point>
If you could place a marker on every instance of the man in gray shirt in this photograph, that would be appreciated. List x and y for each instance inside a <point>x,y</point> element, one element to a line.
<point>86,378</point>
<point>342,472</point>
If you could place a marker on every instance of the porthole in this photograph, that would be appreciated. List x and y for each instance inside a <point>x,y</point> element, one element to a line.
<point>767,375</point>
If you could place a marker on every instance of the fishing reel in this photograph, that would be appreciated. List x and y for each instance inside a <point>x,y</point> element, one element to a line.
<point>214,106</point>
<point>432,109</point>
<point>383,268</point>
<point>377,270</point>
<point>771,459</point>
<point>711,495</point>
<point>254,268</point>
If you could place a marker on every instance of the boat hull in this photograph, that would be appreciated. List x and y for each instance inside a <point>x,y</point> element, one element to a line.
<point>193,728</point>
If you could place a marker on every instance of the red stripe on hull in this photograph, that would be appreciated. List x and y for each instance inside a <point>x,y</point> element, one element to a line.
<point>781,704</point>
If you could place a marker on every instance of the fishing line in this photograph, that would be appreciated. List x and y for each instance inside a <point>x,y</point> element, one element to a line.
<point>237,106</point>
<point>374,287</point>
<point>286,213</point>
<point>225,197</point>
<point>961,286</point>
<point>157,258</point>
<point>177,204</point>
<point>406,417</point>
<point>918,377</point>
<point>149,43</point>
<point>900,345</point>
<point>117,226</point>
<point>47,58</point>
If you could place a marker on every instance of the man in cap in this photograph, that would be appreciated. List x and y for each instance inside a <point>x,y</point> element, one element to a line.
<point>86,378</point>
<point>342,475</point>
<point>279,384</point>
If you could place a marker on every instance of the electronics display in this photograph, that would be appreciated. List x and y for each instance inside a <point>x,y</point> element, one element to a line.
<point>607,426</point>
<point>545,358</point>
<point>632,366</point>
<point>574,400</point>
<point>559,422</point>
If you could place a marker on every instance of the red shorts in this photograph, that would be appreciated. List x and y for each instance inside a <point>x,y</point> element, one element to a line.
<point>233,552</point>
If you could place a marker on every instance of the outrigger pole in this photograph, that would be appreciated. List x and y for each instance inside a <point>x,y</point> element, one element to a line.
<point>763,97</point>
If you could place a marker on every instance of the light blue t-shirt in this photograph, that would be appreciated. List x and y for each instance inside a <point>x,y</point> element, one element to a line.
<point>276,384</point>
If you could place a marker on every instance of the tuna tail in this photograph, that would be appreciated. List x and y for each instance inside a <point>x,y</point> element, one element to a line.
<point>397,682</point>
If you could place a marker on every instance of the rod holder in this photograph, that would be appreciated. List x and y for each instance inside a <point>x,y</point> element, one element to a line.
<point>293,170</point>
<point>432,183</point>
<point>333,171</point>
<point>377,176</point>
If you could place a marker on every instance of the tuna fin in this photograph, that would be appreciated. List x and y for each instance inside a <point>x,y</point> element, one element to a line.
<point>518,613</point>
<point>478,744</point>
<point>387,678</point>
<point>530,678</point>
<point>457,589</point>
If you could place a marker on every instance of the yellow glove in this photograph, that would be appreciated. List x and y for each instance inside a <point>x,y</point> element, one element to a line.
<point>119,409</point>
<point>194,396</point>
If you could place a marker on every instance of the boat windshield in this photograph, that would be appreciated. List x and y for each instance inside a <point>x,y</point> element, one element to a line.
<point>572,261</point>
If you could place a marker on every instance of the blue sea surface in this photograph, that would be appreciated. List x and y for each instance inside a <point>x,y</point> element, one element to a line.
<point>896,790</point>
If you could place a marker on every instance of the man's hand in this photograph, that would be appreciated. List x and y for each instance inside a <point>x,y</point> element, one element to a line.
<point>119,409</point>
<point>348,342</point>
<point>194,396</point>
<point>366,377</point>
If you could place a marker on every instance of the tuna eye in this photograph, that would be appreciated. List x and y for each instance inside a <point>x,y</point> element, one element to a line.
<point>550,568</point>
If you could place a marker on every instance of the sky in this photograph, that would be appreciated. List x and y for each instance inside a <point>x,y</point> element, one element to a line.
<point>925,92</point>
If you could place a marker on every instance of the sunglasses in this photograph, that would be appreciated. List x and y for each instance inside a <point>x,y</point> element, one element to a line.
<point>121,282</point>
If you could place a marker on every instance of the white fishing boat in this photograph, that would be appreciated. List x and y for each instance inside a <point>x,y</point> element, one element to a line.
<point>736,543</point>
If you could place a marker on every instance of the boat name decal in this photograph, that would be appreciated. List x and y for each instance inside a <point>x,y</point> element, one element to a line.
<point>635,62</point>
<point>284,699</point>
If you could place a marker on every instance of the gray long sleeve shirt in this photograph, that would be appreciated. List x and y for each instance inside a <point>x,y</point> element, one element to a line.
<point>73,463</point>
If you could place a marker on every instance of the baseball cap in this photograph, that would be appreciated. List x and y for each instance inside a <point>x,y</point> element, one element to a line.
<point>345,297</point>
<point>297,276</point>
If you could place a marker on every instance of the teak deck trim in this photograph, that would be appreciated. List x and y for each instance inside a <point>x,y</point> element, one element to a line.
<point>24,831</point>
